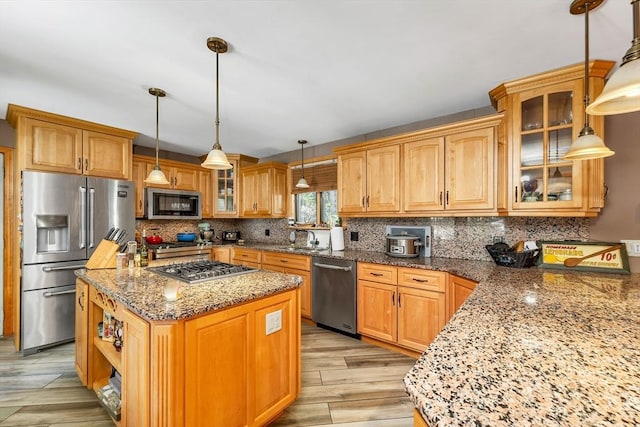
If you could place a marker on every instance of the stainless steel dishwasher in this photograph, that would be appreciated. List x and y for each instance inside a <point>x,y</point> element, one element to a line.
<point>334,294</point>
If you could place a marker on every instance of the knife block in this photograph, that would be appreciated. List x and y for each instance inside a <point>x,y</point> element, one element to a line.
<point>104,256</point>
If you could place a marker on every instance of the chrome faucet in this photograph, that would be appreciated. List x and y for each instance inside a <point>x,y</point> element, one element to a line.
<point>314,242</point>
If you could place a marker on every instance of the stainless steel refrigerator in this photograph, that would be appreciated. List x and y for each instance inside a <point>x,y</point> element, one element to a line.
<point>64,218</point>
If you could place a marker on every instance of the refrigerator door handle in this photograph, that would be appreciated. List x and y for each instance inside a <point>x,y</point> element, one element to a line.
<point>65,267</point>
<point>83,218</point>
<point>53,294</point>
<point>92,222</point>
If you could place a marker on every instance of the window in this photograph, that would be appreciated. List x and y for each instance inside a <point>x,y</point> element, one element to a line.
<point>317,207</point>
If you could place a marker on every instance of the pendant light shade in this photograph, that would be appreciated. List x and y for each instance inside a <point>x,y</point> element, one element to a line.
<point>216,159</point>
<point>621,94</point>
<point>302,183</point>
<point>588,145</point>
<point>156,176</point>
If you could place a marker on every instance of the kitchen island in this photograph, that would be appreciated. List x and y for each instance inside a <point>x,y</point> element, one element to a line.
<point>535,347</point>
<point>226,352</point>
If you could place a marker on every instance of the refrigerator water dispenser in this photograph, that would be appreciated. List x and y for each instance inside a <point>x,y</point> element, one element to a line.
<point>52,233</point>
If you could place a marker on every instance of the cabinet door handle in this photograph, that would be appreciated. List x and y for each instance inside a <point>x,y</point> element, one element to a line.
<point>399,296</point>
<point>393,298</point>
<point>80,163</point>
<point>376,274</point>
<point>363,205</point>
<point>516,193</point>
<point>140,203</point>
<point>415,279</point>
<point>80,298</point>
<point>283,260</point>
<point>440,198</point>
<point>86,165</point>
<point>367,201</point>
<point>447,197</point>
<point>175,181</point>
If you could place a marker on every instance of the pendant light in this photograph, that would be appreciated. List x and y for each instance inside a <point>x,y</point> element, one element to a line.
<point>216,159</point>
<point>621,94</point>
<point>302,183</point>
<point>156,176</point>
<point>588,145</point>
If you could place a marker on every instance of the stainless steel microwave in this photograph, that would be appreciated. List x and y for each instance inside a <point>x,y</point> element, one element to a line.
<point>161,203</point>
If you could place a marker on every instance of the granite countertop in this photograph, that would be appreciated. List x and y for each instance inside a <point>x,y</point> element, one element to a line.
<point>142,291</point>
<point>474,270</point>
<point>536,347</point>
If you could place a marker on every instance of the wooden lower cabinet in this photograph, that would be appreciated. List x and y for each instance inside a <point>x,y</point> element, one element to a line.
<point>459,290</point>
<point>292,264</point>
<point>403,306</point>
<point>218,369</point>
<point>418,421</point>
<point>222,254</point>
<point>82,325</point>
<point>247,257</point>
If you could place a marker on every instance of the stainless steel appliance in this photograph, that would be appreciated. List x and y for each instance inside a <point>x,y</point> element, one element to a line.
<point>64,219</point>
<point>201,271</point>
<point>408,241</point>
<point>333,294</point>
<point>230,236</point>
<point>172,204</point>
<point>180,249</point>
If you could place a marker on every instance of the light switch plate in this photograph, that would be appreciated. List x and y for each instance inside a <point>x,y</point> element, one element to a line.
<point>633,247</point>
<point>273,322</point>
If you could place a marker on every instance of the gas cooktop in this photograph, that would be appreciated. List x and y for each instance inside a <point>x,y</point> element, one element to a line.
<point>200,271</point>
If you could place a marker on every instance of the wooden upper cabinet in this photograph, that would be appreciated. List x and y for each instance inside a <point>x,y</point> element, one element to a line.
<point>205,186</point>
<point>423,175</point>
<point>139,174</point>
<point>545,114</point>
<point>369,180</point>
<point>469,172</point>
<point>53,143</point>
<point>352,185</point>
<point>106,155</point>
<point>227,186</point>
<point>263,190</point>
<point>51,147</point>
<point>181,176</point>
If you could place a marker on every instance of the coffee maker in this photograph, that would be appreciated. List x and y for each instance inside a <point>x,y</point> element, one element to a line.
<point>206,233</point>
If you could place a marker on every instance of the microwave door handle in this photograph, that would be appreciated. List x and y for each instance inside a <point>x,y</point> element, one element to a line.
<point>83,217</point>
<point>92,223</point>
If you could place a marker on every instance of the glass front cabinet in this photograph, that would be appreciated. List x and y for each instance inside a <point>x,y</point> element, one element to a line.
<point>545,114</point>
<point>226,186</point>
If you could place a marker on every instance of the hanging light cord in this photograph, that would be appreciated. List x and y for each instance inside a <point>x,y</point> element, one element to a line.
<point>157,120</point>
<point>586,66</point>
<point>302,155</point>
<point>217,145</point>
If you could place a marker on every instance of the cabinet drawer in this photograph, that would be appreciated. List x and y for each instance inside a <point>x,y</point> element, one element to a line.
<point>250,255</point>
<point>423,279</point>
<point>378,273</point>
<point>299,262</point>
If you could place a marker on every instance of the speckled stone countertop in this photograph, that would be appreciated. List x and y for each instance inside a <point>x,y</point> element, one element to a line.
<point>474,270</point>
<point>536,347</point>
<point>142,291</point>
<point>530,346</point>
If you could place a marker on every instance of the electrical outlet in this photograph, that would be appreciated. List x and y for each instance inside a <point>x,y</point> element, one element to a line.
<point>633,247</point>
<point>355,236</point>
<point>498,239</point>
<point>273,322</point>
<point>266,232</point>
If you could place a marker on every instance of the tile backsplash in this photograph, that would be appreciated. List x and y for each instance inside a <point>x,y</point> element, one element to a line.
<point>463,237</point>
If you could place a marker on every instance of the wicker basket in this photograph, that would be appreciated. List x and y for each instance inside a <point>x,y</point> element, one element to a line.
<point>510,258</point>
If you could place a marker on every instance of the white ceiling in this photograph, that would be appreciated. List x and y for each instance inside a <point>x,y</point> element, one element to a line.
<point>320,70</point>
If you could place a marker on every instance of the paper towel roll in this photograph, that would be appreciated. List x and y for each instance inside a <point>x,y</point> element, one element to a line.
<point>337,239</point>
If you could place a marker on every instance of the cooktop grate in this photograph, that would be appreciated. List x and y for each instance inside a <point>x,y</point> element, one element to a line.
<point>200,271</point>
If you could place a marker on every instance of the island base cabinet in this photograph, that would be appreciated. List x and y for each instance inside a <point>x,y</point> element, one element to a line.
<point>243,363</point>
<point>135,361</point>
<point>82,330</point>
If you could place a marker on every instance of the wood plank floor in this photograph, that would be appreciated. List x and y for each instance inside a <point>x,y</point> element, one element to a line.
<point>344,382</point>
